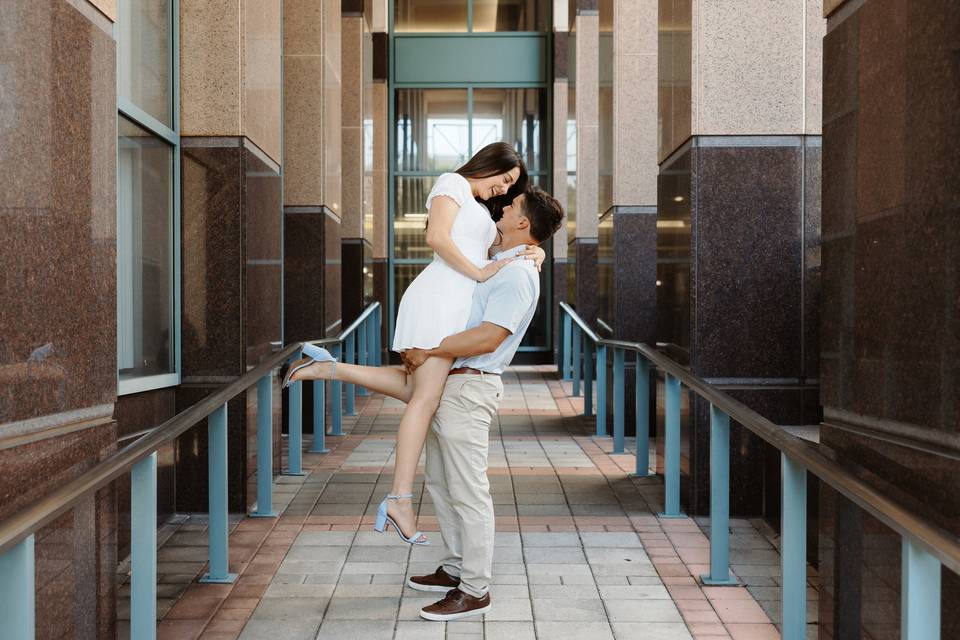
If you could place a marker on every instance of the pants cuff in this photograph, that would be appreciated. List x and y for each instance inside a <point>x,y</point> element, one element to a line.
<point>476,593</point>
<point>451,570</point>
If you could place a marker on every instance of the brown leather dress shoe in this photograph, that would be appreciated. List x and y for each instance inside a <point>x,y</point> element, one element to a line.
<point>439,581</point>
<point>455,605</point>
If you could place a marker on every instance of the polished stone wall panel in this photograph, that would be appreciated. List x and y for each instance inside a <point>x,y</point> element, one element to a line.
<point>75,554</point>
<point>353,301</point>
<point>262,217</point>
<point>231,301</point>
<point>260,65</point>
<point>304,276</point>
<point>211,84</point>
<point>748,262</point>
<point>58,367</point>
<point>211,261</point>
<point>332,274</point>
<point>738,295</point>
<point>890,325</point>
<point>57,353</point>
<point>586,284</point>
<point>635,273</point>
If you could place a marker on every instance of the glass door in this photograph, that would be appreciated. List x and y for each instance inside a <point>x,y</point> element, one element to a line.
<point>436,131</point>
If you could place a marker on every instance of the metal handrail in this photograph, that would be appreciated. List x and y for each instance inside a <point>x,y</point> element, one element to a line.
<point>139,459</point>
<point>926,547</point>
<point>577,319</point>
<point>353,325</point>
<point>939,542</point>
<point>17,527</point>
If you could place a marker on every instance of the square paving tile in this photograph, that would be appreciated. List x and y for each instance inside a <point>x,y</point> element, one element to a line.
<point>363,609</point>
<point>580,631</point>
<point>571,610</point>
<point>355,630</point>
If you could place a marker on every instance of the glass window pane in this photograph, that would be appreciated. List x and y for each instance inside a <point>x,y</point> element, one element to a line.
<point>431,129</point>
<point>145,58</point>
<point>517,116</point>
<point>509,15</point>
<point>410,218</point>
<point>441,16</point>
<point>145,286</point>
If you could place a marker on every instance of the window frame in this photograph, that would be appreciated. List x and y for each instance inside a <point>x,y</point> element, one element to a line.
<point>171,136</point>
<point>392,17</point>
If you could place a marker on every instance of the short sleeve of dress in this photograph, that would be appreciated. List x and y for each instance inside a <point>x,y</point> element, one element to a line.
<point>452,185</point>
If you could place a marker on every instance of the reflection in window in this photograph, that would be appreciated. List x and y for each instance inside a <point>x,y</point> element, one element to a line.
<point>432,130</point>
<point>145,341</point>
<point>426,16</point>
<point>144,58</point>
<point>515,116</point>
<point>509,15</point>
<point>410,219</point>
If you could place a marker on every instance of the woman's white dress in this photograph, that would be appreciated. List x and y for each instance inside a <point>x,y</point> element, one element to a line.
<point>437,302</point>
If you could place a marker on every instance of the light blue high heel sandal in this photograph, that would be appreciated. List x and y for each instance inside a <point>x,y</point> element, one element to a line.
<point>313,353</point>
<point>383,518</point>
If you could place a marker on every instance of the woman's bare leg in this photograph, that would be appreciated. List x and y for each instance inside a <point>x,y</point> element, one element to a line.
<point>428,382</point>
<point>390,381</point>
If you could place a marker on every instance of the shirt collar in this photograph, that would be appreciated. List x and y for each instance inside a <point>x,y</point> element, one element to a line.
<point>509,253</point>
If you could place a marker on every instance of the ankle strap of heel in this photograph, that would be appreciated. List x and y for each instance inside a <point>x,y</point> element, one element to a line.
<point>400,497</point>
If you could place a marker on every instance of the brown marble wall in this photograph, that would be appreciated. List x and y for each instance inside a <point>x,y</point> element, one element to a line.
<point>356,259</point>
<point>58,367</point>
<point>76,555</point>
<point>890,332</point>
<point>306,280</point>
<point>737,295</point>
<point>57,214</point>
<point>585,283</point>
<point>231,299</point>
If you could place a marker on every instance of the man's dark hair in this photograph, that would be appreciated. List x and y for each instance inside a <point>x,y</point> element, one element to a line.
<point>543,211</point>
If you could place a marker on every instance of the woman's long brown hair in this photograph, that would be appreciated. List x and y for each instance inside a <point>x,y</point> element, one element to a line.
<point>495,159</point>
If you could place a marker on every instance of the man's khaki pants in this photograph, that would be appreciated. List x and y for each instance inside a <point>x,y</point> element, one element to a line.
<point>456,476</point>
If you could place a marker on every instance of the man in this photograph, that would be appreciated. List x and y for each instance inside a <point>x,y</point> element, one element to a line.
<point>458,441</point>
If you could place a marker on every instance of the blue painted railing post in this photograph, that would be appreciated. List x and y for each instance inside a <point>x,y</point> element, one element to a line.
<point>362,350</point>
<point>643,416</point>
<point>371,360</point>
<point>143,548</point>
<point>567,372</point>
<point>618,400</point>
<point>919,593</point>
<point>671,449</point>
<point>218,526</point>
<point>601,390</point>
<point>336,401</point>
<point>588,350</point>
<point>319,418</point>
<point>295,429</point>
<point>18,591</point>
<point>719,500</point>
<point>577,359</point>
<point>793,550</point>
<point>348,388</point>
<point>378,333</point>
<point>264,449</point>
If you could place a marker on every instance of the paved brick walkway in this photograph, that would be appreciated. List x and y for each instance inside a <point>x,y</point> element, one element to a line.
<point>579,553</point>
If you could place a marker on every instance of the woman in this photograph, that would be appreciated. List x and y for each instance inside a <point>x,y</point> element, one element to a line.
<point>461,231</point>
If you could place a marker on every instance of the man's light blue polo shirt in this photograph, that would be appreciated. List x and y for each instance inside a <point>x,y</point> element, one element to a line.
<point>509,300</point>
